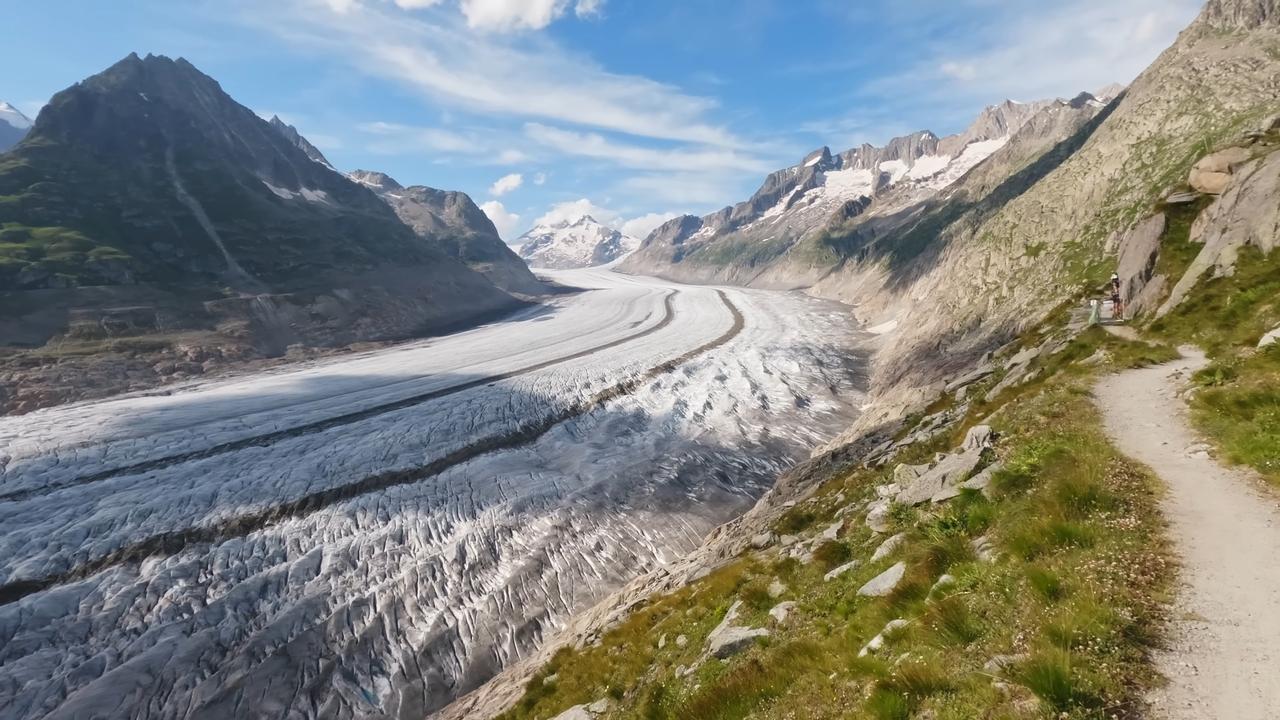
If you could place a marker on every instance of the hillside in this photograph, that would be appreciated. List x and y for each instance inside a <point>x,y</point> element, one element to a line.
<point>976,545</point>
<point>147,203</point>
<point>453,221</point>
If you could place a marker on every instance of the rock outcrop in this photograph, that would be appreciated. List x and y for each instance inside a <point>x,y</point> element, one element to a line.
<point>1246,215</point>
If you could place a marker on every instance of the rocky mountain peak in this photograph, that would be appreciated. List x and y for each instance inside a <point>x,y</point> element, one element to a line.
<point>573,243</point>
<point>13,116</point>
<point>1242,14</point>
<point>376,181</point>
<point>291,134</point>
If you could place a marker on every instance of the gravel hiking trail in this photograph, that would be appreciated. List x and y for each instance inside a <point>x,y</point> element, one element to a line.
<point>1224,645</point>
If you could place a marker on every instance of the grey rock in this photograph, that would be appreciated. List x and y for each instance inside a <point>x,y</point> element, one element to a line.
<point>979,437</point>
<point>984,549</point>
<point>1136,265</point>
<point>1001,664</point>
<point>1269,339</point>
<point>1024,357</point>
<point>885,582</point>
<point>1212,175</point>
<point>763,540</point>
<point>971,377</point>
<point>878,642</point>
<point>951,470</point>
<point>682,641</point>
<point>727,639</point>
<point>888,546</point>
<point>837,572</point>
<point>833,532</point>
<point>943,582</point>
<point>1246,215</point>
<point>878,517</point>
<point>777,589</point>
<point>781,611</point>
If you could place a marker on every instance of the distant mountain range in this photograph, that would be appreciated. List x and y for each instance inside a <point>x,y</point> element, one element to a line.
<point>147,185</point>
<point>574,243</point>
<point>780,236</point>
<point>13,126</point>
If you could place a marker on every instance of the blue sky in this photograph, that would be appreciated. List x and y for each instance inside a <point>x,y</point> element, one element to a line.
<point>634,110</point>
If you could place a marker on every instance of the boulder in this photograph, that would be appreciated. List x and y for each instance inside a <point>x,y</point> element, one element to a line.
<point>1214,173</point>
<point>880,639</point>
<point>1023,358</point>
<point>763,540</point>
<point>943,582</point>
<point>969,378</point>
<point>888,546</point>
<point>950,470</point>
<point>781,611</point>
<point>984,549</point>
<point>777,589</point>
<point>837,572</point>
<point>979,437</point>
<point>904,474</point>
<point>1269,339</point>
<point>833,532</point>
<point>885,582</point>
<point>1247,214</point>
<point>1136,265</point>
<point>728,639</point>
<point>878,517</point>
<point>585,712</point>
<point>682,641</point>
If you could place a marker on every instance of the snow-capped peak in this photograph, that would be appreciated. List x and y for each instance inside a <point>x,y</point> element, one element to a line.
<point>574,243</point>
<point>11,115</point>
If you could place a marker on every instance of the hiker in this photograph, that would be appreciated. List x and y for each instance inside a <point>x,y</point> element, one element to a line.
<point>1117,305</point>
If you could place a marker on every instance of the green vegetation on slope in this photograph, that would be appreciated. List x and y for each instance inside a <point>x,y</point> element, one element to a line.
<point>1058,624</point>
<point>1238,403</point>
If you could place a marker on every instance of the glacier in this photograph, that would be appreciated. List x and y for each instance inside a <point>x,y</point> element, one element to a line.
<point>377,534</point>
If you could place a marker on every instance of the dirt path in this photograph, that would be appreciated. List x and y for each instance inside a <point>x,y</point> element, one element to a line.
<point>1224,654</point>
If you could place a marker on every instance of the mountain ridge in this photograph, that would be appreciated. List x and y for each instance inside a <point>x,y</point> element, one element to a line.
<point>574,243</point>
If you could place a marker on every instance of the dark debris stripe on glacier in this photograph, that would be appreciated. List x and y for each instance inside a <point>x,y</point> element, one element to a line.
<point>267,439</point>
<point>171,543</point>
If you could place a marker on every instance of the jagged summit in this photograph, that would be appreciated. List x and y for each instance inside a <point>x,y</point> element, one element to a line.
<point>292,135</point>
<point>377,181</point>
<point>576,242</point>
<point>1242,14</point>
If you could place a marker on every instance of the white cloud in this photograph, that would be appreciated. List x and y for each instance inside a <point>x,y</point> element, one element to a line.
<point>596,146</point>
<point>508,15</point>
<point>959,71</point>
<point>588,8</point>
<point>1054,50</point>
<point>681,188</point>
<point>640,227</point>
<point>432,53</point>
<point>508,223</point>
<point>506,184</point>
<point>576,210</point>
<point>512,157</point>
<point>540,179</point>
<point>416,4</point>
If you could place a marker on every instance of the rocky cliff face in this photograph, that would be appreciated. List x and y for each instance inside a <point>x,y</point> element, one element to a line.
<point>452,220</point>
<point>151,180</point>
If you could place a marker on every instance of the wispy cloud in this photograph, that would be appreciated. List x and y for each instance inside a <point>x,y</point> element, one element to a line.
<point>685,158</point>
<point>522,76</point>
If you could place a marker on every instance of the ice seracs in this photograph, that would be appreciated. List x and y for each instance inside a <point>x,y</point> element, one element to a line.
<point>574,243</point>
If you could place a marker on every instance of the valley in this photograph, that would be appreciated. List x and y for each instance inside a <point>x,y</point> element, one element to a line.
<point>448,503</point>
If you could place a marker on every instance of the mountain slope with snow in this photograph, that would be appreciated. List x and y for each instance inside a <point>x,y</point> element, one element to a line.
<point>577,243</point>
<point>749,242</point>
<point>13,126</point>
